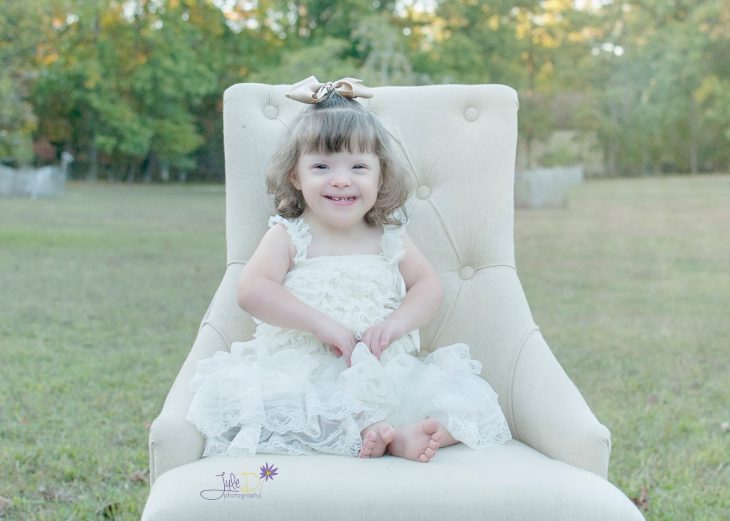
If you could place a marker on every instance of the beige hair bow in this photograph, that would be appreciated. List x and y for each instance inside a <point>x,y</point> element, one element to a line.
<point>312,91</point>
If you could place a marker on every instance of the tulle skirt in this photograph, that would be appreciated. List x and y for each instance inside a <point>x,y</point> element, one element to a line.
<point>291,401</point>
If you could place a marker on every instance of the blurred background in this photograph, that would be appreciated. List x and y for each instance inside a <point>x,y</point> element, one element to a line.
<point>132,89</point>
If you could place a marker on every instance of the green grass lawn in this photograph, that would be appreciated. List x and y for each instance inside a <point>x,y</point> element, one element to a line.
<point>103,290</point>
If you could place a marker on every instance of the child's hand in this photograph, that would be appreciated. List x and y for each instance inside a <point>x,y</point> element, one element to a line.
<point>338,337</point>
<point>382,334</point>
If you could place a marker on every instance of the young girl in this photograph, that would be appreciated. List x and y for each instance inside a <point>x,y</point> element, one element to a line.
<point>338,292</point>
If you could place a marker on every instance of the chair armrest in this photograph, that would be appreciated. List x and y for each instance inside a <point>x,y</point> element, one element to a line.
<point>543,407</point>
<point>173,440</point>
<point>550,414</point>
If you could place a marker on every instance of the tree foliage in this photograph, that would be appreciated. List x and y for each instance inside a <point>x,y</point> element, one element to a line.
<point>132,87</point>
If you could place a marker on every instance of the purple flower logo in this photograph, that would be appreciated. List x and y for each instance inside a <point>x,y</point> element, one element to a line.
<point>268,472</point>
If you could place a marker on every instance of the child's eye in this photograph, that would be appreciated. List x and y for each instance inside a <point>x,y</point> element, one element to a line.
<point>320,166</point>
<point>359,166</point>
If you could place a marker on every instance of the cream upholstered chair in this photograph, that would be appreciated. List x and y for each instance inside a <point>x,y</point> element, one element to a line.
<point>460,142</point>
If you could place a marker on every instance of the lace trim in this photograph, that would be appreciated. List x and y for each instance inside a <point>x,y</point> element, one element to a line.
<point>391,243</point>
<point>298,231</point>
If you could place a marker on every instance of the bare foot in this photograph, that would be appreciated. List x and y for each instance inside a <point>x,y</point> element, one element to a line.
<point>418,441</point>
<point>375,439</point>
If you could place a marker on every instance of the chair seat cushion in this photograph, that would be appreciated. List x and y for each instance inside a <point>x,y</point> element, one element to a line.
<point>508,482</point>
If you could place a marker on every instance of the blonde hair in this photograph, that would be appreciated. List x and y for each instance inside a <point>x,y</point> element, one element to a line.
<point>334,125</point>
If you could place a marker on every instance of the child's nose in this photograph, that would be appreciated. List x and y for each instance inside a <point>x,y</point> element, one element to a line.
<point>341,179</point>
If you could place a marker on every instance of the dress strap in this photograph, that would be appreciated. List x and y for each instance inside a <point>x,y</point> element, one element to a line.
<point>392,243</point>
<point>298,231</point>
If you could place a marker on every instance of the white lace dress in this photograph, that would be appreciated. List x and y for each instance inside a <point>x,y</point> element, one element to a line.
<point>285,392</point>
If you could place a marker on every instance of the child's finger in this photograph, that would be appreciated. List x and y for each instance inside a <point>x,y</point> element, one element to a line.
<point>375,350</point>
<point>377,339</point>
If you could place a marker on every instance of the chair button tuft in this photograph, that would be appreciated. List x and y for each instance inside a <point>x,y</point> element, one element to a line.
<point>270,111</point>
<point>423,191</point>
<point>471,114</point>
<point>466,272</point>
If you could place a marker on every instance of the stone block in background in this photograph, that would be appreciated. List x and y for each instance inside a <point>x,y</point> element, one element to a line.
<point>46,181</point>
<point>546,187</point>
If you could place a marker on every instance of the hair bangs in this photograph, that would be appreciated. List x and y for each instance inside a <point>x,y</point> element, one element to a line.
<point>331,131</point>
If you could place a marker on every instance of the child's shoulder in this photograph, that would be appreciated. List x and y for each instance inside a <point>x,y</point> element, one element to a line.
<point>278,237</point>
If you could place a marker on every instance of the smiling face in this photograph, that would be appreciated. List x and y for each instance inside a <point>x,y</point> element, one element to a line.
<point>338,188</point>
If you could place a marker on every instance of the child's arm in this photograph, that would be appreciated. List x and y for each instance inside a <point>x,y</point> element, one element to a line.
<point>424,295</point>
<point>261,294</point>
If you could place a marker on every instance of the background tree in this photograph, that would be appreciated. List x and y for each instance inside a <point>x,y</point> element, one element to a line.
<point>20,43</point>
<point>133,89</point>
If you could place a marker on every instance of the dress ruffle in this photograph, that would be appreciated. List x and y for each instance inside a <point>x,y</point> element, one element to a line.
<point>327,283</point>
<point>292,402</point>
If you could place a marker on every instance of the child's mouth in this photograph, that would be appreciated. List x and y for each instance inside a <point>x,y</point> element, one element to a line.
<point>341,201</point>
